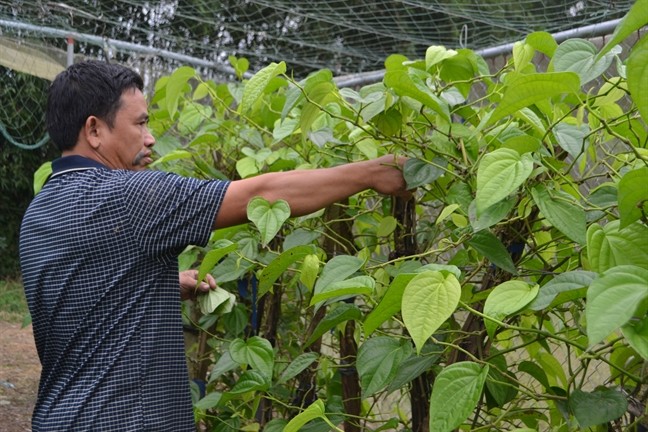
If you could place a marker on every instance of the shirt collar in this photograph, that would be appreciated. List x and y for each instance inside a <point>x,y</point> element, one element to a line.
<point>71,163</point>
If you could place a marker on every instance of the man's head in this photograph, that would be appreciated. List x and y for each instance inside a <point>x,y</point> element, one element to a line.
<point>98,110</point>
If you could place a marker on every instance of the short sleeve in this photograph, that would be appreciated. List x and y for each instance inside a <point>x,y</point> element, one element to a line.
<point>168,212</point>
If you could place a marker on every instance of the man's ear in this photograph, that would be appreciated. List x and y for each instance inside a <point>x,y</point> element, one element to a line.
<point>92,131</point>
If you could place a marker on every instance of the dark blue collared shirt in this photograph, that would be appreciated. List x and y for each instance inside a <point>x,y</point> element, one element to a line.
<point>98,250</point>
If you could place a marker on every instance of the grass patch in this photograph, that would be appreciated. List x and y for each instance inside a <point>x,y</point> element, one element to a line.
<point>13,306</point>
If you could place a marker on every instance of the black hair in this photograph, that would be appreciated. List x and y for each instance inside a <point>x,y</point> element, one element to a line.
<point>90,88</point>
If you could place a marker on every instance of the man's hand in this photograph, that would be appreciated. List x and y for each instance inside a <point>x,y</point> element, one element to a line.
<point>189,286</point>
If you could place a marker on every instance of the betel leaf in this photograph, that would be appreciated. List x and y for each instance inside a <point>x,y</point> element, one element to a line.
<point>558,208</point>
<point>403,84</point>
<point>637,75</point>
<point>218,300</point>
<point>611,245</point>
<point>279,265</point>
<point>633,196</point>
<point>336,269</point>
<point>378,361</point>
<point>580,56</point>
<point>389,305</point>
<point>543,42</point>
<point>219,250</point>
<point>632,21</point>
<point>256,352</point>
<point>268,218</point>
<point>175,86</point>
<point>309,270</point>
<point>499,174</point>
<point>535,371</point>
<point>209,401</point>
<point>418,172</point>
<point>317,97</point>
<point>298,365</point>
<point>492,248</point>
<point>251,380</point>
<point>491,215</point>
<point>562,283</point>
<point>612,300</point>
<point>359,285</point>
<point>455,394</point>
<point>501,384</point>
<point>343,312</point>
<point>636,333</point>
<point>598,407</point>
<point>526,90</point>
<point>415,366</point>
<point>428,300</point>
<point>571,138</point>
<point>314,411</point>
<point>255,87</point>
<point>506,299</point>
<point>436,54</point>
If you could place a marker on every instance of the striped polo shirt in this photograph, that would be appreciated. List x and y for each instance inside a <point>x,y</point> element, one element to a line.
<point>98,250</point>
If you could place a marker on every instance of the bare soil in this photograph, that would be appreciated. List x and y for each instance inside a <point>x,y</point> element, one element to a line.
<point>19,374</point>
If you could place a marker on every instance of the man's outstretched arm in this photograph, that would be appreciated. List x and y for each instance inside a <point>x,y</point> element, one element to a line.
<point>307,191</point>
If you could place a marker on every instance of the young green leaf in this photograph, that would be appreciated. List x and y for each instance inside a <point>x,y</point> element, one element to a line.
<point>175,86</point>
<point>527,90</point>
<point>336,269</point>
<point>215,299</point>
<point>255,87</point>
<point>633,196</point>
<point>436,54</point>
<point>506,299</point>
<point>557,207</point>
<point>359,285</point>
<point>268,218</point>
<point>279,265</point>
<point>632,21</point>
<point>428,300</point>
<point>612,300</point>
<point>637,72</point>
<point>314,411</point>
<point>219,250</point>
<point>455,394</point>
<point>309,270</point>
<point>404,84</point>
<point>389,305</point>
<point>543,42</point>
<point>500,173</point>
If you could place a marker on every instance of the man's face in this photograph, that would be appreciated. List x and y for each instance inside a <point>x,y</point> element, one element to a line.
<point>127,145</point>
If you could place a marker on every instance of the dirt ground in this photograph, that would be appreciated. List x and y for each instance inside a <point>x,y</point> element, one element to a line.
<point>19,373</point>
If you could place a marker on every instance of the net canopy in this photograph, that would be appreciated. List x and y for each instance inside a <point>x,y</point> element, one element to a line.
<point>40,38</point>
<point>345,36</point>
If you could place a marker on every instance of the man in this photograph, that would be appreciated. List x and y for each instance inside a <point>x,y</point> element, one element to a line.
<point>99,247</point>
